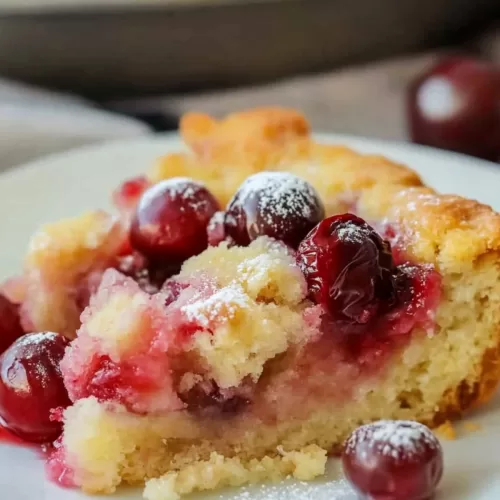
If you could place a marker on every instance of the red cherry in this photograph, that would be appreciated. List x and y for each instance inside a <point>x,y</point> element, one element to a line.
<point>31,385</point>
<point>171,219</point>
<point>456,105</point>
<point>348,268</point>
<point>393,460</point>
<point>10,323</point>
<point>275,204</point>
<point>207,397</point>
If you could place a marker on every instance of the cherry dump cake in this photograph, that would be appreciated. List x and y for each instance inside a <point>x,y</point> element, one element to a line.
<point>257,299</point>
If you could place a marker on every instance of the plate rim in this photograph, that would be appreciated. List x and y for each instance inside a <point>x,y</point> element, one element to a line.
<point>174,138</point>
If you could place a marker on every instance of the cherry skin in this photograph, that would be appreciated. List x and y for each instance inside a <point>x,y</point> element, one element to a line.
<point>456,106</point>
<point>31,385</point>
<point>348,268</point>
<point>10,323</point>
<point>275,204</point>
<point>171,219</point>
<point>393,460</point>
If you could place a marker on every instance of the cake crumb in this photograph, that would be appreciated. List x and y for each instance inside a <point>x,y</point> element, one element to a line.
<point>219,471</point>
<point>446,431</point>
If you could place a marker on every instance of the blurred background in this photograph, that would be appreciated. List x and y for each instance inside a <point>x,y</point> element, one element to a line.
<point>81,71</point>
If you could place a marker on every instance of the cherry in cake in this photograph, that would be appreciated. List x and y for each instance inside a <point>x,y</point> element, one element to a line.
<point>31,386</point>
<point>171,219</point>
<point>393,460</point>
<point>275,204</point>
<point>349,269</point>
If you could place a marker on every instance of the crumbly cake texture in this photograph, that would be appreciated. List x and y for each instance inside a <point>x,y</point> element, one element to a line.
<point>60,256</point>
<point>431,378</point>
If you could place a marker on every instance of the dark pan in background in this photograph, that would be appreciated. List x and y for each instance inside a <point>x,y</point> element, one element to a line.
<point>157,46</point>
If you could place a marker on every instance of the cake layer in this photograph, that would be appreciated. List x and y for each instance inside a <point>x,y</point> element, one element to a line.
<point>431,379</point>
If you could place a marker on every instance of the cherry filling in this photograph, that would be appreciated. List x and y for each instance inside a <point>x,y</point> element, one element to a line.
<point>207,397</point>
<point>393,460</point>
<point>351,272</point>
<point>31,386</point>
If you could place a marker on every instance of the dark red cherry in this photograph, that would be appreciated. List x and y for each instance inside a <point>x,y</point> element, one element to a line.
<point>348,268</point>
<point>31,385</point>
<point>276,204</point>
<point>171,219</point>
<point>393,460</point>
<point>10,323</point>
<point>206,396</point>
<point>456,105</point>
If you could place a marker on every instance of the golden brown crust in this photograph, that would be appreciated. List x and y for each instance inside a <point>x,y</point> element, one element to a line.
<point>253,130</point>
<point>447,230</point>
<point>224,153</point>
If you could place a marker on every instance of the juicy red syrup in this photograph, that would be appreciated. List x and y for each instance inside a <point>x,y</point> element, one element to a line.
<point>55,467</point>
<point>52,454</point>
<point>371,296</point>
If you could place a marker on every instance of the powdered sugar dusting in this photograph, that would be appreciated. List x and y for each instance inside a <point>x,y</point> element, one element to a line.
<point>399,439</point>
<point>222,304</point>
<point>351,232</point>
<point>186,189</point>
<point>280,193</point>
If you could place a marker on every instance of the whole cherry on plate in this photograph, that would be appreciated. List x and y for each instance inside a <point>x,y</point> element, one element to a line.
<point>276,204</point>
<point>349,269</point>
<point>31,386</point>
<point>455,105</point>
<point>393,460</point>
<point>10,323</point>
<point>171,219</point>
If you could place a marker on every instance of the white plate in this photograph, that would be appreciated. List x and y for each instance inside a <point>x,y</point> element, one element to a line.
<point>66,184</point>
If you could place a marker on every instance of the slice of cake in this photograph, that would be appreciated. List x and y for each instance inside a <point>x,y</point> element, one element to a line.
<point>337,290</point>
